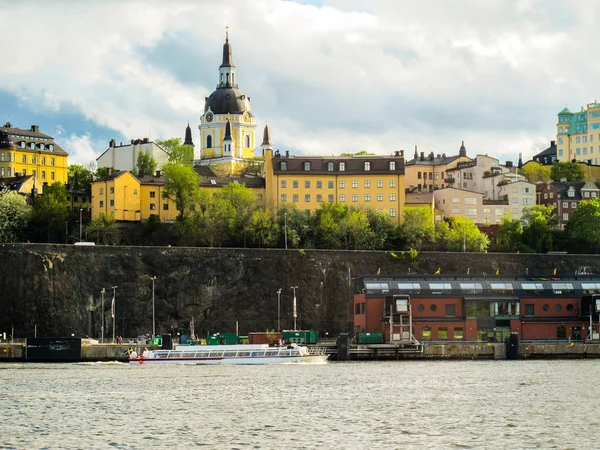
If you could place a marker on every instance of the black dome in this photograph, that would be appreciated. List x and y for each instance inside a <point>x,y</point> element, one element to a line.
<point>227,101</point>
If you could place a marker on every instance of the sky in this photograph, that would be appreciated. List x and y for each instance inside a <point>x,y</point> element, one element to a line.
<point>329,76</point>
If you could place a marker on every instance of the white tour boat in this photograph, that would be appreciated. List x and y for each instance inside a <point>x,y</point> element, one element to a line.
<point>231,354</point>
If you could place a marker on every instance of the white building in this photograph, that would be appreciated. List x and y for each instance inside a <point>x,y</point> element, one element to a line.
<point>124,157</point>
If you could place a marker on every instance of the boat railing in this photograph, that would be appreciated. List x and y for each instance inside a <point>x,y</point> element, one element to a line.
<point>237,353</point>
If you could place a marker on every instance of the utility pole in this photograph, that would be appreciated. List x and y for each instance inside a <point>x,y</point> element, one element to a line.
<point>80,223</point>
<point>278,309</point>
<point>294,313</point>
<point>285,228</point>
<point>113,310</point>
<point>153,319</point>
<point>102,326</point>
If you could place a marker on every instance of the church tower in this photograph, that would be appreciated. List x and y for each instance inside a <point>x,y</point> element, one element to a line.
<point>227,127</point>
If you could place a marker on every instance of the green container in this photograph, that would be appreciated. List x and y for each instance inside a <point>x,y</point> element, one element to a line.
<point>375,337</point>
<point>294,337</point>
<point>229,338</point>
<point>312,337</point>
<point>213,340</point>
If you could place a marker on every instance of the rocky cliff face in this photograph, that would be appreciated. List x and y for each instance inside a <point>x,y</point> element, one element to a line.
<point>58,288</point>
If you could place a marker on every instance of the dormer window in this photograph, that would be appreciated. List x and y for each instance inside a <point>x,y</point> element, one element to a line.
<point>51,147</point>
<point>367,166</point>
<point>307,166</point>
<point>283,165</point>
<point>329,167</point>
<point>42,146</point>
<point>342,167</point>
<point>32,145</point>
<point>23,144</point>
<point>392,165</point>
<point>571,192</point>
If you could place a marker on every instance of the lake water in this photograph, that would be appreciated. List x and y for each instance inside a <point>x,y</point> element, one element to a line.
<point>407,404</point>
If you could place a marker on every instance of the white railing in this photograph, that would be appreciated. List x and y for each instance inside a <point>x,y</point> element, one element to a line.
<point>234,353</point>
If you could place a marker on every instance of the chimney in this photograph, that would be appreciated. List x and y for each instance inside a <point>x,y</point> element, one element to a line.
<point>109,171</point>
<point>287,153</point>
<point>509,164</point>
<point>112,143</point>
<point>552,143</point>
<point>132,142</point>
<point>35,128</point>
<point>431,156</point>
<point>422,156</point>
<point>158,173</point>
<point>146,140</point>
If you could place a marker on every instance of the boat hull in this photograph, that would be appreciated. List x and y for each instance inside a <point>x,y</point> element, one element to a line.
<point>306,359</point>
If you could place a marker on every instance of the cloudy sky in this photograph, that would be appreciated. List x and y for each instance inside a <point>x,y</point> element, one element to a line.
<point>329,76</point>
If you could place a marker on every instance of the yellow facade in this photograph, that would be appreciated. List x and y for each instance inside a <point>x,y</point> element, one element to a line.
<point>307,189</point>
<point>429,174</point>
<point>578,135</point>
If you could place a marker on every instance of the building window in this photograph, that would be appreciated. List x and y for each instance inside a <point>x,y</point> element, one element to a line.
<point>24,159</point>
<point>284,197</point>
<point>8,172</point>
<point>319,185</point>
<point>295,184</point>
<point>379,197</point>
<point>135,192</point>
<point>342,184</point>
<point>247,141</point>
<point>112,190</point>
<point>450,310</point>
<point>165,206</point>
<point>112,202</point>
<point>307,166</point>
<point>529,309</point>
<point>101,191</point>
<point>52,161</point>
<point>443,333</point>
<point>329,167</point>
<point>367,166</point>
<point>43,174</point>
<point>283,165</point>
<point>152,194</point>
<point>330,184</point>
<point>392,197</point>
<point>354,197</point>
<point>101,204</point>
<point>43,160</point>
<point>392,183</point>
<point>152,206</point>
<point>319,198</point>
<point>307,198</point>
<point>419,175</point>
<point>367,183</point>
<point>426,333</point>
<point>284,183</point>
<point>393,214</point>
<point>573,205</point>
<point>307,184</point>
<point>458,334</point>
<point>392,165</point>
<point>295,198</point>
<point>342,197</point>
<point>354,184</point>
<point>565,216</point>
<point>209,141</point>
<point>330,198</point>
<point>31,145</point>
<point>367,197</point>
<point>379,183</point>
<point>342,167</point>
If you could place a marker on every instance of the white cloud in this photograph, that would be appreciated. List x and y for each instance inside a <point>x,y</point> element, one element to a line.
<point>352,74</point>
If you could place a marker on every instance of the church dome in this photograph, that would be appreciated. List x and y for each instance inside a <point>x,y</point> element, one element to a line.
<point>227,100</point>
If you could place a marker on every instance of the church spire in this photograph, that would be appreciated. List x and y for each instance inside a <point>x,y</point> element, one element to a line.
<point>266,143</point>
<point>227,69</point>
<point>227,50</point>
<point>188,135</point>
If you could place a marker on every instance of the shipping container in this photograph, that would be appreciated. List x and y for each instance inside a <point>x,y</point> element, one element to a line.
<point>264,337</point>
<point>229,339</point>
<point>374,337</point>
<point>214,340</point>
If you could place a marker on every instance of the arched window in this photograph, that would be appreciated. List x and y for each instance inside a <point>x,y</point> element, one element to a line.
<point>307,166</point>
<point>283,165</point>
<point>31,145</point>
<point>329,167</point>
<point>392,165</point>
<point>227,75</point>
<point>247,141</point>
<point>342,167</point>
<point>367,166</point>
<point>209,141</point>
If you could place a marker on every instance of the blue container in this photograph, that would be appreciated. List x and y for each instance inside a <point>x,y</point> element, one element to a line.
<point>184,338</point>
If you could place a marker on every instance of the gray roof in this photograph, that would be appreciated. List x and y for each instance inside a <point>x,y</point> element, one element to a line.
<point>33,135</point>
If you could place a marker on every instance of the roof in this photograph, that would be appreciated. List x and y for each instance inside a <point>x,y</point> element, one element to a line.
<point>415,198</point>
<point>33,135</point>
<point>562,188</point>
<point>227,100</point>
<point>14,183</point>
<point>439,160</point>
<point>548,152</point>
<point>566,111</point>
<point>354,164</point>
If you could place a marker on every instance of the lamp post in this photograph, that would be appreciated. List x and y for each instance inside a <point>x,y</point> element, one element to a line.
<point>80,223</point>
<point>113,310</point>
<point>102,327</point>
<point>285,228</point>
<point>278,309</point>
<point>294,306</point>
<point>153,320</point>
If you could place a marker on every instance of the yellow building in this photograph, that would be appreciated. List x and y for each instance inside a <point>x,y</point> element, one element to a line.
<point>366,182</point>
<point>30,152</point>
<point>227,127</point>
<point>578,134</point>
<point>428,173</point>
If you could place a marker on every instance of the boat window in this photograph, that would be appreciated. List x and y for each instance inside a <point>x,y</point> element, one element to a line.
<point>272,351</point>
<point>230,353</point>
<point>471,288</point>
<point>188,354</point>
<point>533,287</point>
<point>562,288</point>
<point>437,288</point>
<point>244,354</point>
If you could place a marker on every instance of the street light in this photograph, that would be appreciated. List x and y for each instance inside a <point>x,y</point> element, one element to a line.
<point>294,306</point>
<point>285,227</point>
<point>278,309</point>
<point>113,310</point>
<point>102,327</point>
<point>153,320</point>
<point>80,223</point>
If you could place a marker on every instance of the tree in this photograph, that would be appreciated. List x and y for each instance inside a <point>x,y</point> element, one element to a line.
<point>242,201</point>
<point>583,228</point>
<point>146,164</point>
<point>354,229</point>
<point>509,235</point>
<point>14,216</point>
<point>461,234</point>
<point>360,153</point>
<point>571,171</point>
<point>535,172</point>
<point>181,186</point>
<point>80,178</point>
<point>537,232</point>
<point>383,230</point>
<point>178,153</point>
<point>299,226</point>
<point>50,213</point>
<point>418,228</point>
<point>327,224</point>
<point>103,229</point>
<point>262,228</point>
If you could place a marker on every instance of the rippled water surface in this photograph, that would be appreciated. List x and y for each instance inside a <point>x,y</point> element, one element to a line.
<point>467,404</point>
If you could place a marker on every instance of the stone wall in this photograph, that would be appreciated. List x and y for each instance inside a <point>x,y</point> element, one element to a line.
<point>57,287</point>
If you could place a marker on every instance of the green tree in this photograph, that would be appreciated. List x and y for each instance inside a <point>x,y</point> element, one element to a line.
<point>418,228</point>
<point>537,232</point>
<point>327,224</point>
<point>359,153</point>
<point>383,230</point>
<point>535,172</point>
<point>103,229</point>
<point>262,228</point>
<point>181,186</point>
<point>571,171</point>
<point>80,178</point>
<point>178,153</point>
<point>298,225</point>
<point>583,228</point>
<point>50,213</point>
<point>14,216</point>
<point>509,236</point>
<point>146,164</point>
<point>102,172</point>
<point>243,202</point>
<point>354,229</point>
<point>461,234</point>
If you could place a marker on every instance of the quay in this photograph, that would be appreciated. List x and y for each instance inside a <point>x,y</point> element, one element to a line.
<point>16,352</point>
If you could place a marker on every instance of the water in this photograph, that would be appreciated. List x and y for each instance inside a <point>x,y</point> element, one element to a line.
<point>425,404</point>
